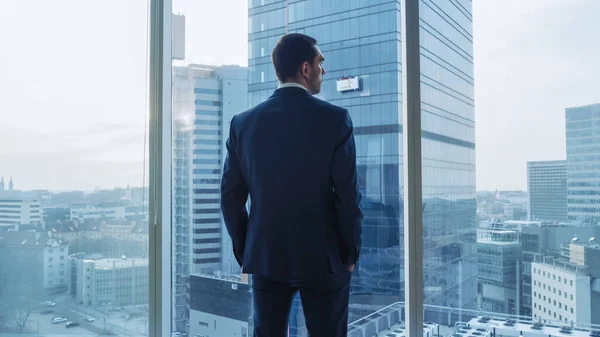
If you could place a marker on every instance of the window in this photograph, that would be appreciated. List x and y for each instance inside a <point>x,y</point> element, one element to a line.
<point>572,311</point>
<point>89,133</point>
<point>571,297</point>
<point>571,281</point>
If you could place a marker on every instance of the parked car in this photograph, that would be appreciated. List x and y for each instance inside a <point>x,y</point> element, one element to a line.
<point>71,324</point>
<point>537,326</point>
<point>595,333</point>
<point>89,318</point>
<point>48,304</point>
<point>59,319</point>
<point>566,330</point>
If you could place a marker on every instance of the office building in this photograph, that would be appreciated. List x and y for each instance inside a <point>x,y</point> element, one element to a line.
<point>565,292</point>
<point>20,211</point>
<point>499,265</point>
<point>122,282</point>
<point>219,94</point>
<point>547,187</point>
<point>44,256</point>
<point>539,240</point>
<point>219,306</point>
<point>361,42</point>
<point>205,98</point>
<point>583,163</point>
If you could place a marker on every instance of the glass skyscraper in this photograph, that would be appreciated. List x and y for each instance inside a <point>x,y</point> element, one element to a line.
<point>362,38</point>
<point>583,163</point>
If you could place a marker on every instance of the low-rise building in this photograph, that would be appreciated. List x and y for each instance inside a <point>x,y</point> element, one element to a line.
<point>34,260</point>
<point>19,210</point>
<point>567,288</point>
<point>219,306</point>
<point>121,282</point>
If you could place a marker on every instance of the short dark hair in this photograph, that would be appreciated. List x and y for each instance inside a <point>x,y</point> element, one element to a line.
<point>291,52</point>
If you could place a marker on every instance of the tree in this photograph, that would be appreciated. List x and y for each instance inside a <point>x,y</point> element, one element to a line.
<point>21,316</point>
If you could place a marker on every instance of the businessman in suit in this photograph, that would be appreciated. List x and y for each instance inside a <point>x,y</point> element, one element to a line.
<point>295,156</point>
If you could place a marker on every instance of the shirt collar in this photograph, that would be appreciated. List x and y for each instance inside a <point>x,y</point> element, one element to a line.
<point>291,85</point>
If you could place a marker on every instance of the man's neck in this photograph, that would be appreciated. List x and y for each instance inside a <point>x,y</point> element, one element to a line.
<point>292,84</point>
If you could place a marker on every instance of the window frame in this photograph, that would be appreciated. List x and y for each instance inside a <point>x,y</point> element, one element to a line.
<point>160,165</point>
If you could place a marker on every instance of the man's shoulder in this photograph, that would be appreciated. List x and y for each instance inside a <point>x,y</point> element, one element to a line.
<point>326,105</point>
<point>317,104</point>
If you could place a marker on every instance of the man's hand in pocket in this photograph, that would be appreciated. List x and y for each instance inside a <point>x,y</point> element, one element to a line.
<point>351,267</point>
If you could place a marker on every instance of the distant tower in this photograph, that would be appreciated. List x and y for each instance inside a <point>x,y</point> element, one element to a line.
<point>1,184</point>
<point>10,185</point>
<point>127,195</point>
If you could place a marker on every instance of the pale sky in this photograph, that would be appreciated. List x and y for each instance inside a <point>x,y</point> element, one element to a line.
<point>72,78</point>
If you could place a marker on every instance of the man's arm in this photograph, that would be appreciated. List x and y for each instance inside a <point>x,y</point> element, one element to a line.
<point>234,194</point>
<point>347,195</point>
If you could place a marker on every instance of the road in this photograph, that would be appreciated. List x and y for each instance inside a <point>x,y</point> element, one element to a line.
<point>41,323</point>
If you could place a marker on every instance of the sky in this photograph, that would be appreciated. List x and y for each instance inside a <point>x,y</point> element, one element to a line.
<point>73,73</point>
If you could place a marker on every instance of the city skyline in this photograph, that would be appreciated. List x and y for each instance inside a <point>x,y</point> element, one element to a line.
<point>103,146</point>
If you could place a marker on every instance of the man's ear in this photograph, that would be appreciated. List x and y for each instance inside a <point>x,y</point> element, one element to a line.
<point>304,69</point>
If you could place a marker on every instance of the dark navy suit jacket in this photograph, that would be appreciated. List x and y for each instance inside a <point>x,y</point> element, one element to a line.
<point>295,156</point>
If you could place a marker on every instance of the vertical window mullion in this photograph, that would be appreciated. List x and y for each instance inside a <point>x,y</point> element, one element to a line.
<point>413,218</point>
<point>160,168</point>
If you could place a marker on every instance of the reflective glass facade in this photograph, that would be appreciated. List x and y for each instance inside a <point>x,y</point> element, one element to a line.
<point>362,38</point>
<point>583,163</point>
<point>547,190</point>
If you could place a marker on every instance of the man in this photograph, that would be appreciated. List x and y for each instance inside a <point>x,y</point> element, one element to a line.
<point>295,156</point>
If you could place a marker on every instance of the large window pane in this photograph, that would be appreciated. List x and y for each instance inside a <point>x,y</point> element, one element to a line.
<point>508,239</point>
<point>73,189</point>
<point>358,39</point>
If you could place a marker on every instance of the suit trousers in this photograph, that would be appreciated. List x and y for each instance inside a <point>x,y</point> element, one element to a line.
<point>325,302</point>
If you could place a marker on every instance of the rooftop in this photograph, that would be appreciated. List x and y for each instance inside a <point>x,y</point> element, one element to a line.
<point>29,239</point>
<point>524,329</point>
<point>119,263</point>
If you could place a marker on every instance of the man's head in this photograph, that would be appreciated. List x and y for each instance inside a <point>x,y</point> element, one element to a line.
<point>297,58</point>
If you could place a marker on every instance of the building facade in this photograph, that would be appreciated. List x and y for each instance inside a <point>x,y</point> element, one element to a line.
<point>361,40</point>
<point>583,163</point>
<point>547,187</point>
<point>46,259</point>
<point>219,306</point>
<point>20,210</point>
<point>121,282</point>
<point>561,292</point>
<point>499,265</point>
<point>183,125</point>
<point>219,93</point>
<point>539,240</point>
<point>205,98</point>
